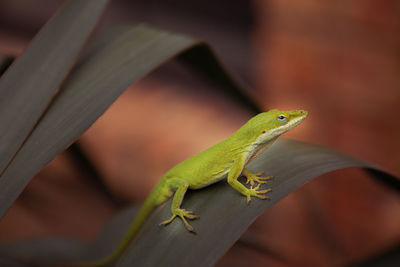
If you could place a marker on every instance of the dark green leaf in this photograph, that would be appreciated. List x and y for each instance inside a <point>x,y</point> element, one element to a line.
<point>223,211</point>
<point>91,88</point>
<point>30,83</point>
<point>198,59</point>
<point>41,251</point>
<point>52,251</point>
<point>5,61</point>
<point>389,258</point>
<point>12,263</point>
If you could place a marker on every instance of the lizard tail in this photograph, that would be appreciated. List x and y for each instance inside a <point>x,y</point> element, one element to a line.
<point>151,203</point>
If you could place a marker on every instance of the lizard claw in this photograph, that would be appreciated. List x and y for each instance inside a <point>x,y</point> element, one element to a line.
<point>183,214</point>
<point>253,178</point>
<point>189,214</point>
<point>254,192</point>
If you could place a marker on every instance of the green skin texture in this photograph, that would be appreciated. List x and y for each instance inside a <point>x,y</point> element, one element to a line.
<point>225,160</point>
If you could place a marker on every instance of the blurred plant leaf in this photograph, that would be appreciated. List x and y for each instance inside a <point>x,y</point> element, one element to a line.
<point>388,258</point>
<point>93,85</point>
<point>223,211</point>
<point>28,86</point>
<point>12,263</point>
<point>198,58</point>
<point>39,250</point>
<point>5,61</point>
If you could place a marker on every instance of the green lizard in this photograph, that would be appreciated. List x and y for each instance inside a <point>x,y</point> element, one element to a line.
<point>225,160</point>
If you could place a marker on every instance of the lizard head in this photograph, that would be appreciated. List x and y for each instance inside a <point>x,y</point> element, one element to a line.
<point>269,125</point>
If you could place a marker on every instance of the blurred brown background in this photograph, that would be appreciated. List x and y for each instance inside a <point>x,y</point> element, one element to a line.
<point>338,59</point>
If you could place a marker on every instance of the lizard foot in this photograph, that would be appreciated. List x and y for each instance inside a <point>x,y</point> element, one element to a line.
<point>252,178</point>
<point>254,192</point>
<point>183,214</point>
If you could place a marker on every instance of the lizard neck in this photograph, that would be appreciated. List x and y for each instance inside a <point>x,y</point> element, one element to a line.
<point>249,146</point>
<point>256,148</point>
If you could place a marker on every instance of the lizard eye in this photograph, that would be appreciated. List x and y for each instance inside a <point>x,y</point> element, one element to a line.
<point>282,119</point>
<point>263,132</point>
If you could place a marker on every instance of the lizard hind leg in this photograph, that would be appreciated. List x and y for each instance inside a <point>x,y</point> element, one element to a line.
<point>180,186</point>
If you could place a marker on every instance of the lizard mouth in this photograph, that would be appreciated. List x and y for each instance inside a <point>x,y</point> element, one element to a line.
<point>298,119</point>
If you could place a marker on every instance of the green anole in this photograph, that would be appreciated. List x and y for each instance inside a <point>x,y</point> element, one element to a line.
<point>225,160</point>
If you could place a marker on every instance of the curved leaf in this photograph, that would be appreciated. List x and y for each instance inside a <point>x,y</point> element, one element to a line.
<point>40,251</point>
<point>96,82</point>
<point>223,211</point>
<point>29,84</point>
<point>5,61</point>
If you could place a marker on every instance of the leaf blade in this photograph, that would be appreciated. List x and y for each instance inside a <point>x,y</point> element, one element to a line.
<point>31,81</point>
<point>5,61</point>
<point>103,76</point>
<point>293,163</point>
<point>219,206</point>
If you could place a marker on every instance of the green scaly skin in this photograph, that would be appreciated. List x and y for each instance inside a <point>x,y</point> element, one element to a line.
<point>225,160</point>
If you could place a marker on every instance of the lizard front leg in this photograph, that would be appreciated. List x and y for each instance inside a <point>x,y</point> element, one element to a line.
<point>180,186</point>
<point>253,178</point>
<point>234,174</point>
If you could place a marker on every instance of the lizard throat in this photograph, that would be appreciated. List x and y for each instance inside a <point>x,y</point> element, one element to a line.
<point>258,147</point>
